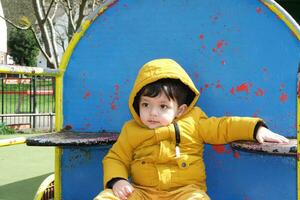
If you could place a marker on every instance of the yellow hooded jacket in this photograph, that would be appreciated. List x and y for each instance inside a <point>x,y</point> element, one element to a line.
<point>148,155</point>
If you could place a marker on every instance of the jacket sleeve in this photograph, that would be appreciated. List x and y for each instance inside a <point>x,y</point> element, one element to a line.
<point>116,163</point>
<point>222,130</point>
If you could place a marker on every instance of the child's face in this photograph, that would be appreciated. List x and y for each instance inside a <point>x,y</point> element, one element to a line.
<point>158,111</point>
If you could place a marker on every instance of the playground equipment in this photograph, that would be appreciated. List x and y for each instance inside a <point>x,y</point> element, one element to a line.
<point>243,56</point>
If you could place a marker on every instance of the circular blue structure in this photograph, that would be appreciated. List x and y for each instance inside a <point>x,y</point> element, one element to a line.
<point>242,55</point>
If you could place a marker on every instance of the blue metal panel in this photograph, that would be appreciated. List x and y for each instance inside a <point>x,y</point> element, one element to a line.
<point>233,175</point>
<point>239,54</point>
<point>82,172</point>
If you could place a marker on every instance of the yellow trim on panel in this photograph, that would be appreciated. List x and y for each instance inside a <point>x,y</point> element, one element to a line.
<point>58,103</point>
<point>298,142</point>
<point>12,141</point>
<point>15,69</point>
<point>57,172</point>
<point>58,127</point>
<point>275,8</point>
<point>59,93</point>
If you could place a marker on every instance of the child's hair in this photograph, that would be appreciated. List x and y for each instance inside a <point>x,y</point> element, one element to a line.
<point>173,88</point>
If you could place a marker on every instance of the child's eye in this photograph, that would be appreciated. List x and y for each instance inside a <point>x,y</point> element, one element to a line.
<point>145,105</point>
<point>163,107</point>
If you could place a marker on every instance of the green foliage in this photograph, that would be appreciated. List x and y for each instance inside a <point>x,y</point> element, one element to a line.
<point>23,47</point>
<point>5,130</point>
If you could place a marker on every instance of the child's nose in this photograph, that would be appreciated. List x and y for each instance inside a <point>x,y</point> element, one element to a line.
<point>154,112</point>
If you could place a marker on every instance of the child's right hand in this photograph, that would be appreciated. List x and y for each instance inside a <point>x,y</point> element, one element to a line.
<point>122,189</point>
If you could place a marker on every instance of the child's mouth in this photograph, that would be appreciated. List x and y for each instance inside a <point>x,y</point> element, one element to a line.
<point>152,121</point>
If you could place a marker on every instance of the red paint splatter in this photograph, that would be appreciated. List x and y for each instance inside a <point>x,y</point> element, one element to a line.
<point>283,97</point>
<point>87,95</point>
<point>68,127</point>
<point>219,148</point>
<point>117,87</point>
<point>243,88</point>
<point>196,75</point>
<point>258,10</point>
<point>113,104</point>
<point>220,44</point>
<point>259,92</point>
<point>214,18</point>
<point>223,62</point>
<point>255,114</point>
<point>201,90</point>
<point>201,36</point>
<point>203,47</point>
<point>236,155</point>
<point>232,90</point>
<point>218,85</point>
<point>264,69</point>
<point>206,85</point>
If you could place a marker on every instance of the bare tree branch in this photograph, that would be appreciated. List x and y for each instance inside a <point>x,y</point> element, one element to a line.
<point>53,41</point>
<point>48,47</point>
<point>70,16</point>
<point>81,13</point>
<point>39,43</point>
<point>15,25</point>
<point>43,8</point>
<point>54,11</point>
<point>49,9</point>
<point>94,5</point>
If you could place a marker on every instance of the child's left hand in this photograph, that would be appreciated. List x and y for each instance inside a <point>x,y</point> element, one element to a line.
<point>266,135</point>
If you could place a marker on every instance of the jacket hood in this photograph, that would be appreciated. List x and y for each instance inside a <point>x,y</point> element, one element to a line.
<point>156,70</point>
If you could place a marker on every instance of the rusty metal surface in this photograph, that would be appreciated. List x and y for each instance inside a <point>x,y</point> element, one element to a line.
<point>73,139</point>
<point>289,149</point>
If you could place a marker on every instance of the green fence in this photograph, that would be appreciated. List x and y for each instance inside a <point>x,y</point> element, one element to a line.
<point>27,99</point>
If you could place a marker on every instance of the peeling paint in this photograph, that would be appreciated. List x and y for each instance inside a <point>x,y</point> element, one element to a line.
<point>289,149</point>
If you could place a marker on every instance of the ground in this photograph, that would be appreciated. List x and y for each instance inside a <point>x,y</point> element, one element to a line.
<point>22,169</point>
